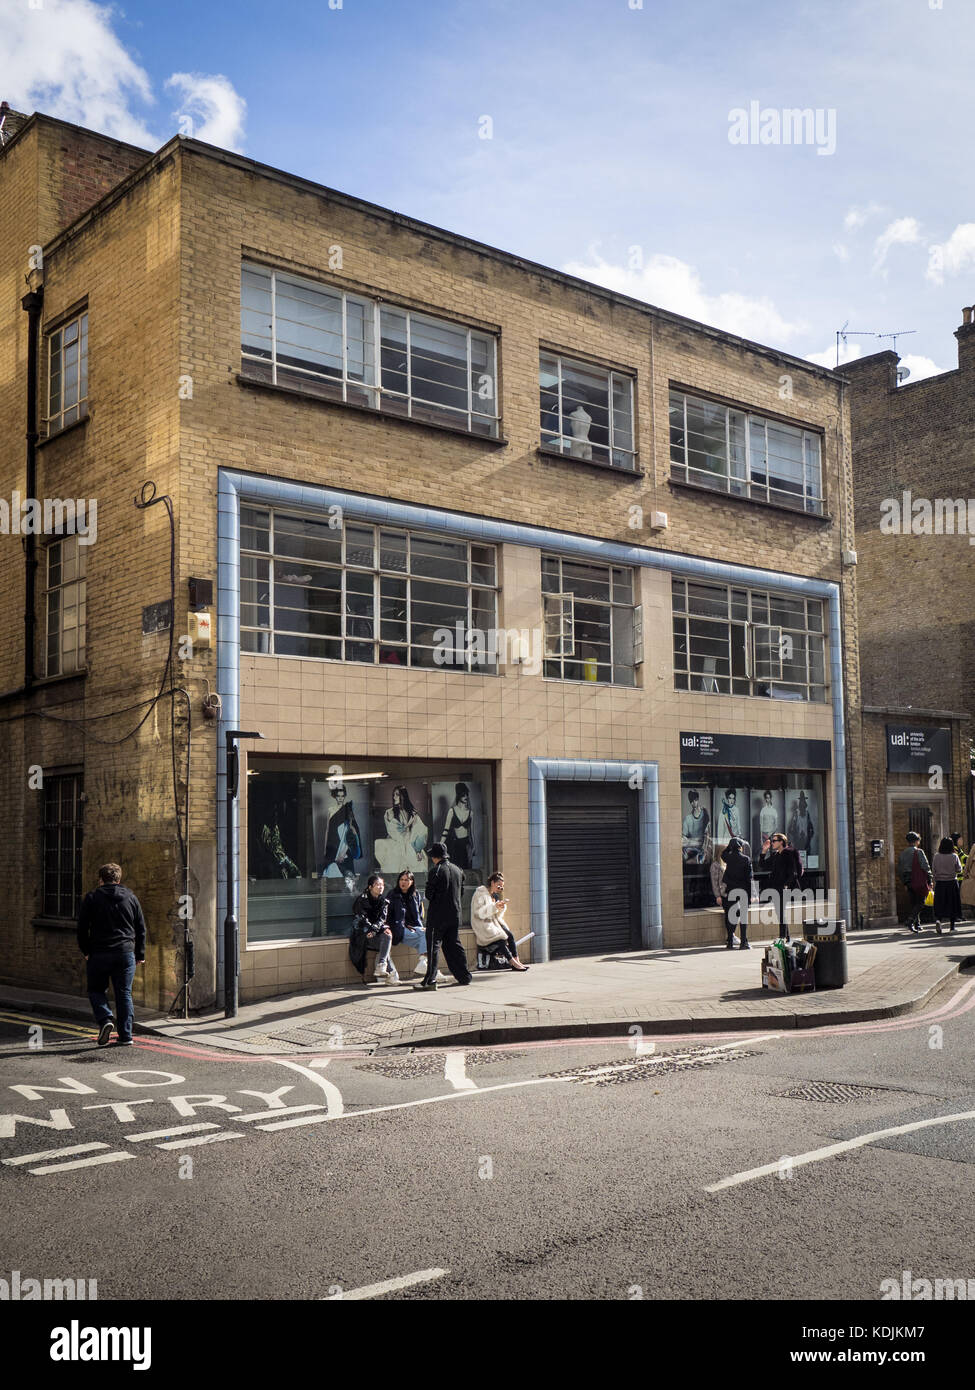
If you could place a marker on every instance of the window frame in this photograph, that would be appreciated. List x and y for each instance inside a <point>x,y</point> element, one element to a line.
<point>612,604</point>
<point>55,909</point>
<point>55,419</point>
<point>809,502</point>
<point>369,386</point>
<point>80,584</point>
<point>559,441</point>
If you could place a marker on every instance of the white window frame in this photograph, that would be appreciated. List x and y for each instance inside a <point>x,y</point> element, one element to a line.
<point>561,440</point>
<point>561,608</point>
<point>78,410</point>
<point>80,584</point>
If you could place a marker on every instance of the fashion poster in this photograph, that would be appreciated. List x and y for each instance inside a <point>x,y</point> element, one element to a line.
<point>401,827</point>
<point>458,820</point>
<point>803,824</point>
<point>696,825</point>
<point>274,850</point>
<point>343,840</point>
<point>768,815</point>
<point>730,814</point>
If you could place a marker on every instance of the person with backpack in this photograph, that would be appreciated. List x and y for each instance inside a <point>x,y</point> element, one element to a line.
<point>737,895</point>
<point>785,871</point>
<point>487,920</point>
<point>915,874</point>
<point>946,866</point>
<point>112,938</point>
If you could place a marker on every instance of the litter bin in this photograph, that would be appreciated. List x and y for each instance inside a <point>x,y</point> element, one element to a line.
<point>829,967</point>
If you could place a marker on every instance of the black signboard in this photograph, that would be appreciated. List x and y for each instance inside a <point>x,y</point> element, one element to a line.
<point>911,749</point>
<point>747,750</point>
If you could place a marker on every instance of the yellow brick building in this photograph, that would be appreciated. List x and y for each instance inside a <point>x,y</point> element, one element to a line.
<point>492,553</point>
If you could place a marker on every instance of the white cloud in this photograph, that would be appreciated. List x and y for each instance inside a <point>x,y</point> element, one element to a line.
<point>849,352</point>
<point>672,284</point>
<point>903,231</point>
<point>65,59</point>
<point>856,217</point>
<point>840,251</point>
<point>920,367</point>
<point>210,109</point>
<point>952,256</point>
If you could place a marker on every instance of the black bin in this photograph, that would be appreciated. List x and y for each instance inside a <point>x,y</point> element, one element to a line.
<point>830,966</point>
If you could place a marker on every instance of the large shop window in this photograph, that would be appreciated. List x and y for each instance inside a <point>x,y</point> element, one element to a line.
<point>730,641</point>
<point>587,411</point>
<point>751,806</point>
<point>345,347</point>
<point>365,593</point>
<point>588,612</point>
<point>316,830</point>
<point>716,446</point>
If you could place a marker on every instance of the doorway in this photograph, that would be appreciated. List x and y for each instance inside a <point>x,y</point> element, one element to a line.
<point>593,869</point>
<point>926,815</point>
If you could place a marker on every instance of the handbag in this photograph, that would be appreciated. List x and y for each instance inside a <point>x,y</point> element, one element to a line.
<point>968,891</point>
<point>919,879</point>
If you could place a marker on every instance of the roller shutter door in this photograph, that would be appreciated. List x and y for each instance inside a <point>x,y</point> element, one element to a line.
<point>591,880</point>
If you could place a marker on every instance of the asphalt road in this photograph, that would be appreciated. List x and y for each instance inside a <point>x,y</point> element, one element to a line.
<point>535,1172</point>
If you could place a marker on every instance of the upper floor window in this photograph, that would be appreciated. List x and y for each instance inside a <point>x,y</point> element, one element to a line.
<point>364,593</point>
<point>588,616</point>
<point>67,374</point>
<point>745,455</point>
<point>297,332</point>
<point>66,606</point>
<point>732,641</point>
<point>586,411</point>
<point>61,845</point>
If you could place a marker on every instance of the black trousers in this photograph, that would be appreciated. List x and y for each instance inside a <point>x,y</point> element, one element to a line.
<point>454,954</point>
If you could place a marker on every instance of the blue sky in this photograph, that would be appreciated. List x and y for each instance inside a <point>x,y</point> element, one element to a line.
<point>609,150</point>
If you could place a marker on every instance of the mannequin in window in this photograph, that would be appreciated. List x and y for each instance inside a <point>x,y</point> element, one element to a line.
<point>579,423</point>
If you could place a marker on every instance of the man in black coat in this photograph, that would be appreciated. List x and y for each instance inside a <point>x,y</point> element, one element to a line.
<point>443,892</point>
<point>112,938</point>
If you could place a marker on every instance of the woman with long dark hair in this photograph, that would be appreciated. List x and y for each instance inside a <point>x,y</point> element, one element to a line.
<point>404,846</point>
<point>458,828</point>
<point>946,866</point>
<point>371,932</point>
<point>406,919</point>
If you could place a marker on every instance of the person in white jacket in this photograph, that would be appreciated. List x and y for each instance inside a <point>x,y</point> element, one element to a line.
<point>488,907</point>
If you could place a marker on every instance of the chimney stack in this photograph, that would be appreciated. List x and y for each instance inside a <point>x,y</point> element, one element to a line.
<point>966,340</point>
<point>10,122</point>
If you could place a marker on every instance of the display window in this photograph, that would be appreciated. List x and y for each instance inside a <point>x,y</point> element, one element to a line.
<point>317,828</point>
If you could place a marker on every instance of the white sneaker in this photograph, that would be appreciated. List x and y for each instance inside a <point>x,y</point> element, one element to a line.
<point>421,966</point>
<point>392,975</point>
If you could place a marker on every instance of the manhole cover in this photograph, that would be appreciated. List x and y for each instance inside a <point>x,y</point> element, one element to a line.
<point>832,1092</point>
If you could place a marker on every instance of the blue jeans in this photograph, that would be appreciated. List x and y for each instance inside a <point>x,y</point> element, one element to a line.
<point>415,937</point>
<point>119,967</point>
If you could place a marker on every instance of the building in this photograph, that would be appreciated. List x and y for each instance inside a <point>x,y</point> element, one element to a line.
<point>914,476</point>
<point>493,554</point>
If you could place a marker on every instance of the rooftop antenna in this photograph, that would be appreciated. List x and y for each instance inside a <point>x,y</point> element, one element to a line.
<point>901,333</point>
<point>846,332</point>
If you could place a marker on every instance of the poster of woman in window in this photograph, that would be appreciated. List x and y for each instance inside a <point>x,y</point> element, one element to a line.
<point>802,825</point>
<point>696,841</point>
<point>338,813</point>
<point>730,819</point>
<point>404,840</point>
<point>273,825</point>
<point>457,819</point>
<point>768,815</point>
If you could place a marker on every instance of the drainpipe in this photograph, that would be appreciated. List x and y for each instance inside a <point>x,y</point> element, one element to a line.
<point>32,303</point>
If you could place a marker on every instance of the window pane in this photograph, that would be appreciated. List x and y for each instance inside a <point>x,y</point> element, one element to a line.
<point>706,442</point>
<point>393,348</point>
<point>307,539</point>
<point>360,546</point>
<point>392,550</point>
<point>585,581</point>
<point>483,564</point>
<point>440,559</point>
<point>707,601</point>
<point>254,529</point>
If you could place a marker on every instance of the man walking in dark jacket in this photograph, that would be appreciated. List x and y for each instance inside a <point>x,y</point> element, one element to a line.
<point>443,892</point>
<point>112,937</point>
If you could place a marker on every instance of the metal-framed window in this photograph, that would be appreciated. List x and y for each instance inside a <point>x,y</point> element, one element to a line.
<point>67,374</point>
<point>586,411</point>
<point>67,607</point>
<point>302,333</point>
<point>61,839</point>
<point>745,455</point>
<point>374,594</point>
<point>731,641</point>
<point>589,621</point>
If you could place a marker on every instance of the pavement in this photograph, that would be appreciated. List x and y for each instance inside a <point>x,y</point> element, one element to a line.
<point>691,990</point>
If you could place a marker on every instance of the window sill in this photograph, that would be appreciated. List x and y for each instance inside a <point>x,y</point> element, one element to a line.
<point>630,473</point>
<point>798,512</point>
<point>254,383</point>
<point>67,429</point>
<point>766,699</point>
<point>603,685</point>
<point>42,681</point>
<point>55,923</point>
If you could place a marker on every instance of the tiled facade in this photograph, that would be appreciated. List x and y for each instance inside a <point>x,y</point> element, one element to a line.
<point>158,262</point>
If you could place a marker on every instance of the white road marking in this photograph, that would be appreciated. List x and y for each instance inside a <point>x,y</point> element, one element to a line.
<point>301,1120</point>
<point>82,1163</point>
<point>168,1133</point>
<point>55,1153</point>
<point>817,1155</point>
<point>336,1105</point>
<point>273,1111</point>
<point>455,1072</point>
<point>203,1139</point>
<point>405,1281</point>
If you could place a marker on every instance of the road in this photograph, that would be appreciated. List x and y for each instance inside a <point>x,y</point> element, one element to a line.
<point>697,1168</point>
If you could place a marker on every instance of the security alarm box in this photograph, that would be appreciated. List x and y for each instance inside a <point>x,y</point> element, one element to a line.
<point>201,629</point>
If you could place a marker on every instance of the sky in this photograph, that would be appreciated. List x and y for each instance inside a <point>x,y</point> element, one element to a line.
<point>640,144</point>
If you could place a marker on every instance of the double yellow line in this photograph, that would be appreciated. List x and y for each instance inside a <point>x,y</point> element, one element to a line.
<point>71,1030</point>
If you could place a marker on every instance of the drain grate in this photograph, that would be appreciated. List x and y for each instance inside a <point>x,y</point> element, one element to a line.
<point>832,1092</point>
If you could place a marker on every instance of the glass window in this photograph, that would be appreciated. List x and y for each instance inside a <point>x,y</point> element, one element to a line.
<point>745,642</point>
<point>719,447</point>
<point>314,837</point>
<point>68,374</point>
<point>588,621</point>
<point>365,593</point>
<point>66,600</point>
<point>340,346</point>
<point>586,412</point>
<point>61,835</point>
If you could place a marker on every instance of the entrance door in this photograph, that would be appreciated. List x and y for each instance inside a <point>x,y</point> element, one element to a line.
<point>923,815</point>
<point>593,869</point>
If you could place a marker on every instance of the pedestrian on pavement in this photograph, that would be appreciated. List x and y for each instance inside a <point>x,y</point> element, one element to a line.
<point>946,867</point>
<point>785,872</point>
<point>371,932</point>
<point>968,879</point>
<point>112,938</point>
<point>738,891</point>
<point>915,874</point>
<point>443,892</point>
<point>487,918</point>
<point>719,888</point>
<point>406,918</point>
